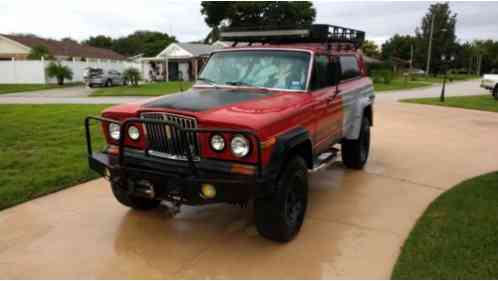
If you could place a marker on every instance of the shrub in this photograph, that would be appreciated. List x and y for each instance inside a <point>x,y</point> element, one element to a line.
<point>60,72</point>
<point>382,76</point>
<point>387,76</point>
<point>132,75</point>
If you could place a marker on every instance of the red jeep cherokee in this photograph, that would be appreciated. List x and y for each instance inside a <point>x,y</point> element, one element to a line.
<point>258,119</point>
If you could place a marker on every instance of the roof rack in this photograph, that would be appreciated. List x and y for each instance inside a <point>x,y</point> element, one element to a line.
<point>315,33</point>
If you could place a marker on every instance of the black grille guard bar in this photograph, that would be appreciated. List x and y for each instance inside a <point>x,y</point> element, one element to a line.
<point>188,153</point>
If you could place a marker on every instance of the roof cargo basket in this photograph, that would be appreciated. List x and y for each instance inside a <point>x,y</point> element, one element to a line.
<point>315,33</point>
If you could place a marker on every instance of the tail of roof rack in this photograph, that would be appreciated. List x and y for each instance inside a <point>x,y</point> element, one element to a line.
<point>315,33</point>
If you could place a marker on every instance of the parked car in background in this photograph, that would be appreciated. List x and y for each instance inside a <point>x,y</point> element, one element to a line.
<point>490,82</point>
<point>98,77</point>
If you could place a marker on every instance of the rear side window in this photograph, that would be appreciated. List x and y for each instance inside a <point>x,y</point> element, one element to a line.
<point>349,67</point>
<point>321,75</point>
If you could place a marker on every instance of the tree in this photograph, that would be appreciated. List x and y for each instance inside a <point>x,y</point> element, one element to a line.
<point>262,13</point>
<point>398,46</point>
<point>132,75</point>
<point>69,39</point>
<point>370,49</point>
<point>99,41</point>
<point>488,51</point>
<point>39,51</point>
<point>443,39</point>
<point>60,72</point>
<point>149,43</point>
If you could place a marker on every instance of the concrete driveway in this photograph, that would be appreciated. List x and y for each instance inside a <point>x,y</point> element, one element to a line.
<point>355,226</point>
<point>70,95</point>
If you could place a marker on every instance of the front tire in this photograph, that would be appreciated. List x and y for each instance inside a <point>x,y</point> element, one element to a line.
<point>495,93</point>
<point>279,216</point>
<point>134,202</point>
<point>355,152</point>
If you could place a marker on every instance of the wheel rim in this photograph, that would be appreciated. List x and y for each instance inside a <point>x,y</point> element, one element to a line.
<point>295,202</point>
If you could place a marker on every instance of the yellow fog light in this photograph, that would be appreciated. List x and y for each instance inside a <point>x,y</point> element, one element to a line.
<point>208,191</point>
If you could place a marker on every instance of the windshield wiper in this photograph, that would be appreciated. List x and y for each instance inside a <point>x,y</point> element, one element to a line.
<point>238,83</point>
<point>244,84</point>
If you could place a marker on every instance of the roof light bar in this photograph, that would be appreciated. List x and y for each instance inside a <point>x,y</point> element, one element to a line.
<point>316,33</point>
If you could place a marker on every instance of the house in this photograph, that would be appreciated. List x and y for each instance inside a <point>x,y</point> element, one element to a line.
<point>18,47</point>
<point>185,58</point>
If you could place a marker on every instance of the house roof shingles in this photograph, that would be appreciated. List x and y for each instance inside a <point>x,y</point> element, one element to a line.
<point>66,48</point>
<point>197,49</point>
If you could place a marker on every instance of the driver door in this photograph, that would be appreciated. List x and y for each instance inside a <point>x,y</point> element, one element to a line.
<point>327,108</point>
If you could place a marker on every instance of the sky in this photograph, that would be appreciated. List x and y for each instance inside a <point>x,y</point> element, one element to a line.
<point>80,19</point>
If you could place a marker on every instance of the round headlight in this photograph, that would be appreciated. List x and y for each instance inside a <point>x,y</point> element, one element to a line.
<point>240,146</point>
<point>114,131</point>
<point>133,133</point>
<point>217,143</point>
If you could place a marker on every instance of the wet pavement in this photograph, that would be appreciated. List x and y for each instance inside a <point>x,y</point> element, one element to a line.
<point>354,228</point>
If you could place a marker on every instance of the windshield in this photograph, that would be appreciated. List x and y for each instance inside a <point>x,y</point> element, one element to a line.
<point>269,69</point>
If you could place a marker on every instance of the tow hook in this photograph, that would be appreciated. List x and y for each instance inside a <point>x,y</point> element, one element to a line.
<point>145,188</point>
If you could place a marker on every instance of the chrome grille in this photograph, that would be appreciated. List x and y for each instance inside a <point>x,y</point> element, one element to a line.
<point>167,141</point>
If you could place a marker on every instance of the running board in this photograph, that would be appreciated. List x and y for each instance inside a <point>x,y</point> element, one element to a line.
<point>324,160</point>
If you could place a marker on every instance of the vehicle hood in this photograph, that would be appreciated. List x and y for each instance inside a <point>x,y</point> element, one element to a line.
<point>235,108</point>
<point>199,100</point>
<point>491,76</point>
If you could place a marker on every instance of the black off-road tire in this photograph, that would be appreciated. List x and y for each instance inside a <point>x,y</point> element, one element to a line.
<point>495,92</point>
<point>134,202</point>
<point>108,83</point>
<point>279,216</point>
<point>355,152</point>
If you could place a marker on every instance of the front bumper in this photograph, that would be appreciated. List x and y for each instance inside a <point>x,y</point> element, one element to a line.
<point>177,180</point>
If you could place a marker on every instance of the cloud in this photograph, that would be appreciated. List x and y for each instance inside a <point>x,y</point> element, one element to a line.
<point>83,18</point>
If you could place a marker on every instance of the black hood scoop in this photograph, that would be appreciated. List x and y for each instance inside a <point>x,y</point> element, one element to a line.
<point>197,100</point>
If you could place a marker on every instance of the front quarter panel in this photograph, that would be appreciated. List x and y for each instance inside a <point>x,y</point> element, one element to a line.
<point>356,97</point>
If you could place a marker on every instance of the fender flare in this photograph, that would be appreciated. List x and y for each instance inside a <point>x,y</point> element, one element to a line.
<point>354,131</point>
<point>283,145</point>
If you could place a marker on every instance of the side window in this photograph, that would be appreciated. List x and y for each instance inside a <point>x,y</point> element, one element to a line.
<point>321,77</point>
<point>349,67</point>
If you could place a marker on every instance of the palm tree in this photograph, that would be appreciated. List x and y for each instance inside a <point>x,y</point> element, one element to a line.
<point>132,76</point>
<point>60,72</point>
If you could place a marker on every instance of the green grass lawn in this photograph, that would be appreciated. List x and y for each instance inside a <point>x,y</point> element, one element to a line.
<point>15,88</point>
<point>419,81</point>
<point>149,89</point>
<point>397,84</point>
<point>483,102</point>
<point>42,150</point>
<point>457,236</point>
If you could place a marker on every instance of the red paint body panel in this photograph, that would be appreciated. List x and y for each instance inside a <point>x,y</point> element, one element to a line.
<point>320,112</point>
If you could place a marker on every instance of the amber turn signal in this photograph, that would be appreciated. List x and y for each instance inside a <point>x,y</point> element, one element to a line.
<point>208,191</point>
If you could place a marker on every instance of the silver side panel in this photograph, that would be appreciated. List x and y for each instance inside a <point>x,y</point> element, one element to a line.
<point>354,103</point>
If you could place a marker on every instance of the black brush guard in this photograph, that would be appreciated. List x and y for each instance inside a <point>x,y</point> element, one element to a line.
<point>189,173</point>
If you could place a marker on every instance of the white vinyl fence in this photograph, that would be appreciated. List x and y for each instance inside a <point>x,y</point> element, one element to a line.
<point>33,71</point>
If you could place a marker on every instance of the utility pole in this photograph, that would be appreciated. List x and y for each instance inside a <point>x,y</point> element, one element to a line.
<point>479,64</point>
<point>411,58</point>
<point>430,46</point>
